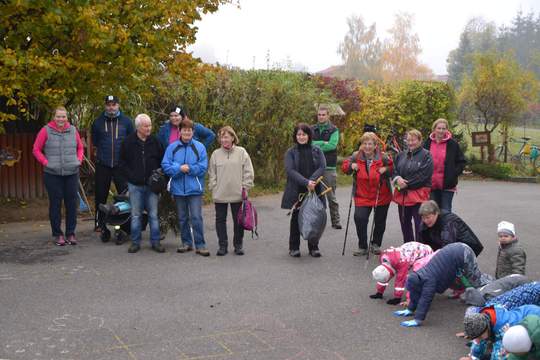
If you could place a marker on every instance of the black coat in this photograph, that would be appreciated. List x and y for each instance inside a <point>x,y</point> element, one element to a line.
<point>449,228</point>
<point>295,179</point>
<point>416,167</point>
<point>454,162</point>
<point>139,158</point>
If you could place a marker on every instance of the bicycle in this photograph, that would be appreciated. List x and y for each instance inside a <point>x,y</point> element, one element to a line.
<point>527,154</point>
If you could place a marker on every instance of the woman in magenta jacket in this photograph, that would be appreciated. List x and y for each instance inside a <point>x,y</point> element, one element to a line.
<point>448,164</point>
<point>58,147</point>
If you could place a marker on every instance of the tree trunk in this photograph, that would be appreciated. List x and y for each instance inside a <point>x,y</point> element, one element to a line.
<point>505,142</point>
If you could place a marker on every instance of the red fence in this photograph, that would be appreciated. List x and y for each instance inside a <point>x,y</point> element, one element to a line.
<point>23,180</point>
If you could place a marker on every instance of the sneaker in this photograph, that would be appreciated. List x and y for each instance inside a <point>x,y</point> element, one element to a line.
<point>221,252</point>
<point>133,248</point>
<point>60,240</point>
<point>337,226</point>
<point>360,252</point>
<point>294,253</point>
<point>184,249</point>
<point>158,248</point>
<point>239,251</point>
<point>203,252</point>
<point>315,253</point>
<point>375,249</point>
<point>72,240</point>
<point>105,235</point>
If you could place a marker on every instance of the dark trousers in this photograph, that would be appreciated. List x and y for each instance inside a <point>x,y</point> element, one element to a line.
<point>62,188</point>
<point>294,234</point>
<point>104,175</point>
<point>221,225</point>
<point>443,198</point>
<point>361,220</point>
<point>408,215</point>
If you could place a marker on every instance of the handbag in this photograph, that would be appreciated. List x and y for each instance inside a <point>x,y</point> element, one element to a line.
<point>157,182</point>
<point>247,215</point>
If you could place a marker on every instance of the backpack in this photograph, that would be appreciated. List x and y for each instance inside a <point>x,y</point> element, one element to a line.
<point>247,215</point>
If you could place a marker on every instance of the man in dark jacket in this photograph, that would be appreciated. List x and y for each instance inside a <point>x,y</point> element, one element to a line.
<point>453,261</point>
<point>140,155</point>
<point>439,229</point>
<point>108,132</point>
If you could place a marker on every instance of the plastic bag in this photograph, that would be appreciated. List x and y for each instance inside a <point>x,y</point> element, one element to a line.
<point>312,217</point>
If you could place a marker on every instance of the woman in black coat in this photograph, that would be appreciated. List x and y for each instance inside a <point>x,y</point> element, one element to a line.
<point>304,164</point>
<point>448,164</point>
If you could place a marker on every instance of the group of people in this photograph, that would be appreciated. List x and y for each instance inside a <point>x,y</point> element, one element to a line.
<point>128,156</point>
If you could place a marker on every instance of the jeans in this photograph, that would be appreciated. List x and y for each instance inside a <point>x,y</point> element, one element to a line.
<point>62,188</point>
<point>406,215</point>
<point>221,225</point>
<point>443,198</point>
<point>189,210</point>
<point>104,175</point>
<point>294,234</point>
<point>142,198</point>
<point>329,179</point>
<point>361,219</point>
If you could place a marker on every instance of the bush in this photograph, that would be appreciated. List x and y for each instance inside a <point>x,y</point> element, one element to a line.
<point>495,171</point>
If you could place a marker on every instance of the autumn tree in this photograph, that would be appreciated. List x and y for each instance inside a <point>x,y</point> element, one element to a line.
<point>496,93</point>
<point>401,51</point>
<point>74,52</point>
<point>360,51</point>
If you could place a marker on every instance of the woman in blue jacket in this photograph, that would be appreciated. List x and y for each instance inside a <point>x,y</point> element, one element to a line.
<point>186,162</point>
<point>169,132</point>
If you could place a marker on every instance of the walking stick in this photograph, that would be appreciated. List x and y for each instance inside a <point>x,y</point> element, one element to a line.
<point>349,215</point>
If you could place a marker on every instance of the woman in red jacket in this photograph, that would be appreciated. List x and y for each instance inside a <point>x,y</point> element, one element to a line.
<point>370,168</point>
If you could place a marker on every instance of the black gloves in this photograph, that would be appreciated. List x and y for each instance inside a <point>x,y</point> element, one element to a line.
<point>394,301</point>
<point>376,296</point>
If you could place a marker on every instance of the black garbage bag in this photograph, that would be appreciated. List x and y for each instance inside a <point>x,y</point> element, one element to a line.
<point>312,217</point>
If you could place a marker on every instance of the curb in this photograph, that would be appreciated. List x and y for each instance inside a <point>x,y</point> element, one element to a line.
<point>525,179</point>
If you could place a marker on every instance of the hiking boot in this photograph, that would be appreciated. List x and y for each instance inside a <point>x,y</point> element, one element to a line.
<point>133,248</point>
<point>105,235</point>
<point>375,249</point>
<point>360,252</point>
<point>337,226</point>
<point>239,251</point>
<point>315,253</point>
<point>203,252</point>
<point>72,240</point>
<point>60,240</point>
<point>294,253</point>
<point>184,248</point>
<point>158,248</point>
<point>221,252</point>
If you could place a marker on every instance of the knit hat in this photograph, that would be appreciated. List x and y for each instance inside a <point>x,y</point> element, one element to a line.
<point>475,325</point>
<point>517,340</point>
<point>506,228</point>
<point>383,273</point>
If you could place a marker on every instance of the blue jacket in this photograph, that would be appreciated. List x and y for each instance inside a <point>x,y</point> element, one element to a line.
<point>108,135</point>
<point>191,183</point>
<point>200,133</point>
<point>503,318</point>
<point>435,277</point>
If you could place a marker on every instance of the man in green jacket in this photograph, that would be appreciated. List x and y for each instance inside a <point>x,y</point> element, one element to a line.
<point>326,136</point>
<point>522,341</point>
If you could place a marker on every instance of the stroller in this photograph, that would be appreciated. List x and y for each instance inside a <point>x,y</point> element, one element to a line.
<point>118,215</point>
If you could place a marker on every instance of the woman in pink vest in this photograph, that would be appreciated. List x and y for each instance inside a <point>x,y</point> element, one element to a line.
<point>58,147</point>
<point>448,164</point>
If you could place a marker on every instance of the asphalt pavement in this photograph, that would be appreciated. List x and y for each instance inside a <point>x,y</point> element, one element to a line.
<point>96,301</point>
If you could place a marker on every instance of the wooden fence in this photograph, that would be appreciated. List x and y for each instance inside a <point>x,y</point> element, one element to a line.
<point>23,180</point>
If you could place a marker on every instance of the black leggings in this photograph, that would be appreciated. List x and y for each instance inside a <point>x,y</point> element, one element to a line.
<point>361,219</point>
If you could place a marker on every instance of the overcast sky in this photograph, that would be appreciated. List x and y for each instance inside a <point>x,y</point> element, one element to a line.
<point>308,32</point>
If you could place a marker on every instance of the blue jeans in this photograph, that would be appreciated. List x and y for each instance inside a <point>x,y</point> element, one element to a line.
<point>189,210</point>
<point>443,198</point>
<point>142,198</point>
<point>62,188</point>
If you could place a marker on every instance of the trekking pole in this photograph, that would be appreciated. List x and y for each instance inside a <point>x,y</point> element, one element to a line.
<point>349,215</point>
<point>370,243</point>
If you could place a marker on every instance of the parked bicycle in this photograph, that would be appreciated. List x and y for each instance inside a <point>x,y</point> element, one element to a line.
<point>527,154</point>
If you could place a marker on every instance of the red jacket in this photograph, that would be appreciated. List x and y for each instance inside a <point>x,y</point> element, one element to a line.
<point>367,182</point>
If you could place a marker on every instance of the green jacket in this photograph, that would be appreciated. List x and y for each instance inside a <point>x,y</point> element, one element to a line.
<point>326,136</point>
<point>532,324</point>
